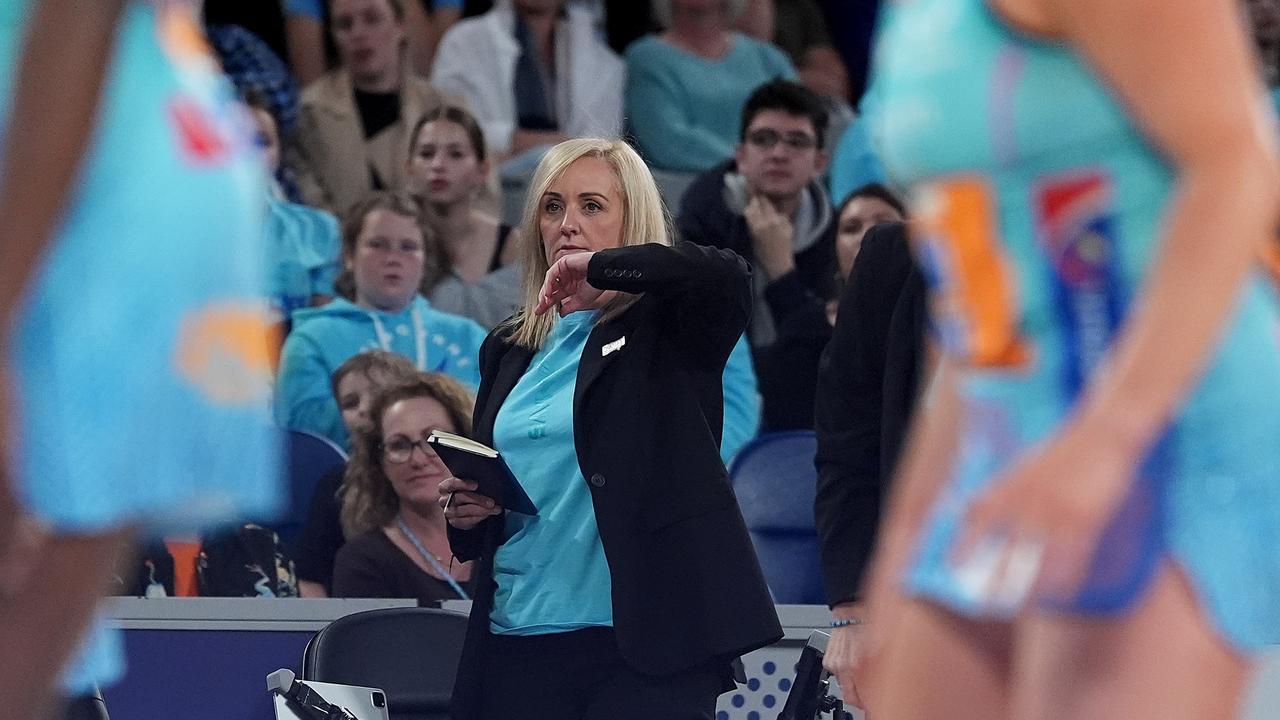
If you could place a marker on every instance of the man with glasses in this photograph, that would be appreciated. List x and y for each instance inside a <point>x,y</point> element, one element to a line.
<point>767,205</point>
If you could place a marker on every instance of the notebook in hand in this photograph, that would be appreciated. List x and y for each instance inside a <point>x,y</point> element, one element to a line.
<point>471,460</point>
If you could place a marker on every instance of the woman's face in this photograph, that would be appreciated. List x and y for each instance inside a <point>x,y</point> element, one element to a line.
<point>582,210</point>
<point>444,168</point>
<point>368,37</point>
<point>700,9</point>
<point>417,477</point>
<point>859,215</point>
<point>387,261</point>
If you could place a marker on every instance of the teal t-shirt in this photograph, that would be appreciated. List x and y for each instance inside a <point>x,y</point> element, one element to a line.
<point>551,572</point>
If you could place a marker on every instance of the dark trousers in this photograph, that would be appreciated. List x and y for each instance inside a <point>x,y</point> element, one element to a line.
<point>580,676</point>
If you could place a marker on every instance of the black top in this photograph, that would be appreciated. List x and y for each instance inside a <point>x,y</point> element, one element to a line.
<point>787,369</point>
<point>321,535</point>
<point>504,231</point>
<point>378,111</point>
<point>371,566</point>
<point>867,386</point>
<point>647,418</point>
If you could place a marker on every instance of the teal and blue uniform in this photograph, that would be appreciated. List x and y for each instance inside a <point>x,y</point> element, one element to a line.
<point>1041,205</point>
<point>141,355</point>
<point>325,337</point>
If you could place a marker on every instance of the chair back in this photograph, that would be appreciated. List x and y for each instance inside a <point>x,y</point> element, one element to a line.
<point>411,654</point>
<point>309,457</point>
<point>773,477</point>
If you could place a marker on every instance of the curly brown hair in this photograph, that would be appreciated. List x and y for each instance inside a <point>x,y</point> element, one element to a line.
<point>368,500</point>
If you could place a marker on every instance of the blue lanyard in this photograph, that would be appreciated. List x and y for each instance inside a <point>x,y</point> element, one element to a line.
<point>422,550</point>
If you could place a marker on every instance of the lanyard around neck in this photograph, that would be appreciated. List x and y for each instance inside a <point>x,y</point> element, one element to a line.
<point>430,558</point>
<point>419,336</point>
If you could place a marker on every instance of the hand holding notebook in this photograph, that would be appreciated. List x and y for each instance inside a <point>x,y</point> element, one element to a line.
<point>481,464</point>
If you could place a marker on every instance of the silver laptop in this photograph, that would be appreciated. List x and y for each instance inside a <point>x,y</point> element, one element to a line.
<point>363,703</point>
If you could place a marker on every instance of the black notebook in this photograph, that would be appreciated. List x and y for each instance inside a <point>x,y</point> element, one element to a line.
<point>481,464</point>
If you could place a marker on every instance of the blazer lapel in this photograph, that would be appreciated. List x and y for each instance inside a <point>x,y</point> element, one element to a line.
<point>607,342</point>
<point>510,369</point>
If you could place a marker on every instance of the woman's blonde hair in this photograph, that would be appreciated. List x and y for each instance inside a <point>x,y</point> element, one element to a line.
<point>663,15</point>
<point>645,220</point>
<point>368,500</point>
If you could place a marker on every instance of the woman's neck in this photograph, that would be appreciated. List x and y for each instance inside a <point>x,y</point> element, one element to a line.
<point>450,220</point>
<point>423,523</point>
<point>704,35</point>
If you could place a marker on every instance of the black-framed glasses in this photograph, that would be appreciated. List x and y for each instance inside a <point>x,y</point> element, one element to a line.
<point>766,139</point>
<point>400,449</point>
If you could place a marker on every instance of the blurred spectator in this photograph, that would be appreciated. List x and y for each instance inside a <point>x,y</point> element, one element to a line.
<point>852,24</point>
<point>353,129</point>
<point>302,243</point>
<point>626,21</point>
<point>801,31</point>
<point>264,19</point>
<point>855,161</point>
<point>355,383</point>
<point>867,390</point>
<point>243,561</point>
<point>469,269</point>
<point>398,547</point>
<point>789,366</point>
<point>382,251</point>
<point>686,87</point>
<point>305,22</point>
<point>534,72</point>
<point>767,204</point>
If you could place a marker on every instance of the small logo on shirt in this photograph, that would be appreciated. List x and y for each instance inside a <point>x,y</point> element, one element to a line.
<point>613,346</point>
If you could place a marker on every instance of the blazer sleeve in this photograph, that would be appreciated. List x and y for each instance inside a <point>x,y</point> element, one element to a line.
<point>848,413</point>
<point>707,290</point>
<point>468,545</point>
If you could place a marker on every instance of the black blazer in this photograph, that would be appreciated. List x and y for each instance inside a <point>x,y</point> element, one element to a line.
<point>867,384</point>
<point>686,585</point>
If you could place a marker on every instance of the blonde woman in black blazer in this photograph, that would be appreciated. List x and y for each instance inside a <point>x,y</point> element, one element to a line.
<point>685,588</point>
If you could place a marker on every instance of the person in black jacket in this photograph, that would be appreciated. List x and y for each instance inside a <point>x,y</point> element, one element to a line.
<point>867,388</point>
<point>631,592</point>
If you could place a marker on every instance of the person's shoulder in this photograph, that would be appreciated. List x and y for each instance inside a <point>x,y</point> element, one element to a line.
<point>319,322</point>
<point>647,49</point>
<point>327,91</point>
<point>744,44</point>
<point>706,192</point>
<point>446,321</point>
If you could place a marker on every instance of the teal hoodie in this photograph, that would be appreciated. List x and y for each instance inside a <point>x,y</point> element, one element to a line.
<point>325,337</point>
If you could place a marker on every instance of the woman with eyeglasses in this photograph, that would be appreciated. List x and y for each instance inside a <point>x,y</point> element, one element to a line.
<point>398,546</point>
<point>382,257</point>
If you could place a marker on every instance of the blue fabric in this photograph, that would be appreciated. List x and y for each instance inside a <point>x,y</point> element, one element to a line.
<point>1059,161</point>
<point>741,401</point>
<point>685,111</point>
<point>551,572</point>
<point>316,8</point>
<point>303,246</point>
<point>854,162</point>
<point>140,359</point>
<point>325,337</point>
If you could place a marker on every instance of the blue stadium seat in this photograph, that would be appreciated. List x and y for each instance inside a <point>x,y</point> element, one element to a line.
<point>774,477</point>
<point>309,457</point>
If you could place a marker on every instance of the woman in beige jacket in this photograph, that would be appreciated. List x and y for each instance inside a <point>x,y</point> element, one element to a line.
<point>354,121</point>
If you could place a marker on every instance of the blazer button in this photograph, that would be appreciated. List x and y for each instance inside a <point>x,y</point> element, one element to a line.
<point>597,480</point>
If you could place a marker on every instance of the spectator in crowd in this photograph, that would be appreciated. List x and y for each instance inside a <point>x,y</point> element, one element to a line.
<point>789,366</point>
<point>382,251</point>
<point>855,161</point>
<point>641,578</point>
<point>355,384</point>
<point>626,21</point>
<point>302,243</point>
<point>800,29</point>
<point>767,205</point>
<point>686,87</point>
<point>304,24</point>
<point>534,72</point>
<point>354,123</point>
<point>398,547</point>
<point>469,269</point>
<point>242,560</point>
<point>867,390</point>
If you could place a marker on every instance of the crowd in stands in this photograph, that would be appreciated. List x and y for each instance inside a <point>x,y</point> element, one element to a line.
<point>389,128</point>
